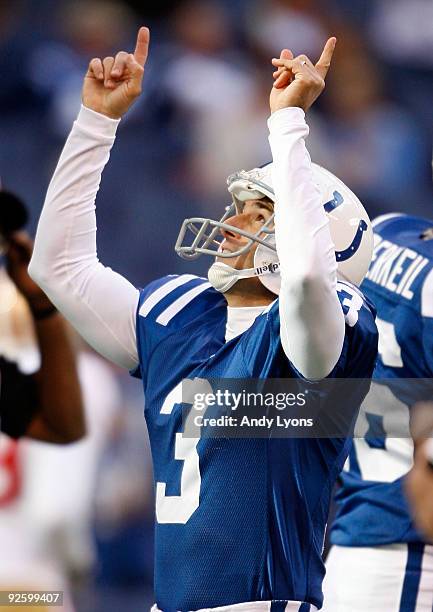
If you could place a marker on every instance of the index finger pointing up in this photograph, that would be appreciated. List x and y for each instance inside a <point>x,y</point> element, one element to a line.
<point>324,62</point>
<point>142,46</point>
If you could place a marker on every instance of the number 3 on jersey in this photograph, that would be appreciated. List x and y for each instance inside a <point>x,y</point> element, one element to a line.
<point>180,508</point>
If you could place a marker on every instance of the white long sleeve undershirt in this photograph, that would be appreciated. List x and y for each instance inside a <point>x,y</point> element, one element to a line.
<point>98,302</point>
<point>101,304</point>
<point>312,324</point>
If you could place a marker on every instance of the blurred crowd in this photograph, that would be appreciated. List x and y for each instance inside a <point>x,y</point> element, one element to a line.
<point>202,116</point>
<point>205,106</point>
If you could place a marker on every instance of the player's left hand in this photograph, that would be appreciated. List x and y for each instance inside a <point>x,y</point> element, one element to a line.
<point>18,254</point>
<point>298,82</point>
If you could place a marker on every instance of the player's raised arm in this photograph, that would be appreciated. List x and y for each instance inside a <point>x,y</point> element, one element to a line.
<point>99,303</point>
<point>312,321</point>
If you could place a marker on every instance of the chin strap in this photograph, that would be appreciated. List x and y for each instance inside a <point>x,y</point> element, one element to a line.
<point>222,277</point>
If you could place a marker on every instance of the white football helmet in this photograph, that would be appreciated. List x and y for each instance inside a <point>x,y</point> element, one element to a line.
<point>349,223</point>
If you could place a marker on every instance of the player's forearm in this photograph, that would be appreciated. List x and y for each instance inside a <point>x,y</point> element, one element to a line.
<point>312,322</point>
<point>99,303</point>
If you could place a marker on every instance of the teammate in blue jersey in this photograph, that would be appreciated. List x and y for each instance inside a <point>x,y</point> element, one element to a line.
<point>379,560</point>
<point>239,522</point>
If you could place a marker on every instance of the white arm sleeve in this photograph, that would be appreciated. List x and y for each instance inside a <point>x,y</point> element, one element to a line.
<point>98,302</point>
<point>312,324</point>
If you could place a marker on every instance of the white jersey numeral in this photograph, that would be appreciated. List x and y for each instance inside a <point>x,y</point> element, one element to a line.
<point>389,349</point>
<point>396,459</point>
<point>353,302</point>
<point>180,508</point>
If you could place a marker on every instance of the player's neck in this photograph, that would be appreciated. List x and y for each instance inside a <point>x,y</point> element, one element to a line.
<point>242,301</point>
<point>249,292</point>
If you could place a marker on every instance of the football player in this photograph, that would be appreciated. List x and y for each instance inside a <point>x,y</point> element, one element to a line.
<point>46,405</point>
<point>379,560</point>
<point>239,522</point>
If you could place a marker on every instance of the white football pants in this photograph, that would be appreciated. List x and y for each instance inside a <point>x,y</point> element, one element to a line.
<point>393,578</point>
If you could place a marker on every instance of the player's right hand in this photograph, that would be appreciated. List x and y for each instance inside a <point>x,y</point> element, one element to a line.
<point>111,85</point>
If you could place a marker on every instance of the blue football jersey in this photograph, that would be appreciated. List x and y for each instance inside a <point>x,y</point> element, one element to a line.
<point>237,520</point>
<point>371,505</point>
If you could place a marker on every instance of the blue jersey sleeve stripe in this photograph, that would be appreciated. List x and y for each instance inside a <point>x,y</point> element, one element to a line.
<point>169,313</point>
<point>154,298</point>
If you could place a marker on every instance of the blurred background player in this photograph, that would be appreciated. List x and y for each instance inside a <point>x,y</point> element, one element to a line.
<point>47,501</point>
<point>40,396</point>
<point>379,560</point>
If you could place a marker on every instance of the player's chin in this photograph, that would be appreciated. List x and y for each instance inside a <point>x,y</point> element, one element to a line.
<point>230,261</point>
<point>241,262</point>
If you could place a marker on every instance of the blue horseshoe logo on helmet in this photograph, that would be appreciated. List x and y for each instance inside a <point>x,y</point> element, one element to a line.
<point>362,227</point>
<point>354,245</point>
